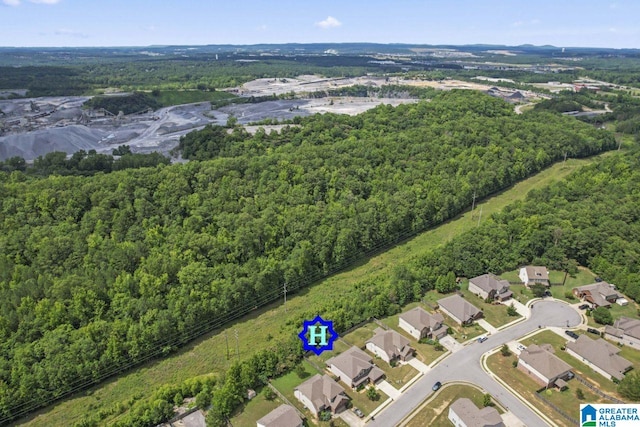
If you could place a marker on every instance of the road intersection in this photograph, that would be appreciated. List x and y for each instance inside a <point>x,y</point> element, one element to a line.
<point>465,365</point>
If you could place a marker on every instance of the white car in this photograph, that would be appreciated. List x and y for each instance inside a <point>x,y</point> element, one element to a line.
<point>520,347</point>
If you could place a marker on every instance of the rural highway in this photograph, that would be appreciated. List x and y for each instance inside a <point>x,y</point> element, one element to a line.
<point>464,365</point>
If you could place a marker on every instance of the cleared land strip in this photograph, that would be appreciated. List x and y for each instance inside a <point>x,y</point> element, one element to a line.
<point>208,354</point>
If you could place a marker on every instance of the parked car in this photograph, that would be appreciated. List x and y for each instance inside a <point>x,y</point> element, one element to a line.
<point>598,279</point>
<point>521,347</point>
<point>593,331</point>
<point>572,334</point>
<point>358,412</point>
<point>583,306</point>
<point>547,293</point>
<point>436,386</point>
<point>482,339</point>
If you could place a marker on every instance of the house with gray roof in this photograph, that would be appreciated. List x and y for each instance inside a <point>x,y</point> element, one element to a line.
<point>421,324</point>
<point>354,367</point>
<point>389,346</point>
<point>601,356</point>
<point>490,286</point>
<point>534,275</point>
<point>459,309</point>
<point>463,413</point>
<point>539,362</point>
<point>599,294</point>
<point>282,416</point>
<point>321,393</point>
<point>625,330</point>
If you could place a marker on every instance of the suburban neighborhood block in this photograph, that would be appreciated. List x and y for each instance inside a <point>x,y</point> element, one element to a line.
<point>534,275</point>
<point>421,324</point>
<point>625,331</point>
<point>598,294</point>
<point>459,309</point>
<point>389,346</point>
<point>320,393</point>
<point>282,416</point>
<point>355,367</point>
<point>601,356</point>
<point>539,362</point>
<point>463,413</point>
<point>490,286</point>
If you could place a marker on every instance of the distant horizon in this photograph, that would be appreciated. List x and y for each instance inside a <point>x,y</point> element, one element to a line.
<point>609,24</point>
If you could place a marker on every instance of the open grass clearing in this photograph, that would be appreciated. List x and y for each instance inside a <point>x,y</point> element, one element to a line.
<point>617,311</point>
<point>208,353</point>
<point>178,97</point>
<point>250,412</point>
<point>437,411</point>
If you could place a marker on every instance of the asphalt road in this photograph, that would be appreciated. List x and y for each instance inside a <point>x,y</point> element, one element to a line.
<point>465,366</point>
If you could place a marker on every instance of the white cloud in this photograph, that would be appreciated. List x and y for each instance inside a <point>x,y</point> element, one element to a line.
<point>45,1</point>
<point>262,28</point>
<point>330,22</point>
<point>11,2</point>
<point>70,33</point>
<point>517,24</point>
<point>18,2</point>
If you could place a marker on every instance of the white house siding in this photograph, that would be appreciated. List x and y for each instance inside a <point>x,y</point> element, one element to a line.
<point>455,319</point>
<point>478,291</point>
<point>453,417</point>
<point>378,351</point>
<point>306,402</point>
<point>523,275</point>
<point>591,365</point>
<point>343,377</point>
<point>410,329</point>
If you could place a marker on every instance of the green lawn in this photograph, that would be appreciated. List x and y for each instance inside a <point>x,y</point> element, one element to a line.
<point>460,333</point>
<point>208,353</point>
<point>607,386</point>
<point>361,401</point>
<point>435,414</point>
<point>287,383</point>
<point>523,294</point>
<point>360,336</point>
<point>253,410</point>
<point>495,314</point>
<point>177,97</point>
<point>524,385</point>
<point>617,311</point>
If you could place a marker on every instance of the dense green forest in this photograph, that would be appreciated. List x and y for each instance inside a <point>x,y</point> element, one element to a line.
<point>136,102</point>
<point>99,273</point>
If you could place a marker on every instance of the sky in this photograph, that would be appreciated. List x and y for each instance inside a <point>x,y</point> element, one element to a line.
<point>562,23</point>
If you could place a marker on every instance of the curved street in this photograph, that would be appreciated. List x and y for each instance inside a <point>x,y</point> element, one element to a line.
<point>464,365</point>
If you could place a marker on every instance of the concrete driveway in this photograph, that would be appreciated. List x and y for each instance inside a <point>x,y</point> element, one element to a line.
<point>487,326</point>
<point>464,365</point>
<point>451,344</point>
<point>351,419</point>
<point>388,389</point>
<point>418,365</point>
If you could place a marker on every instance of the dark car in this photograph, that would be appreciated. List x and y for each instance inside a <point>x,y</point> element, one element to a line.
<point>482,339</point>
<point>598,279</point>
<point>593,331</point>
<point>583,306</point>
<point>572,334</point>
<point>436,386</point>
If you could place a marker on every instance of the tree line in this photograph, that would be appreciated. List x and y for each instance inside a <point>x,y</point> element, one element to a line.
<point>99,272</point>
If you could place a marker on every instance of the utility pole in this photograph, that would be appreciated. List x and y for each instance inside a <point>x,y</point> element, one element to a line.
<point>473,205</point>
<point>480,217</point>
<point>237,343</point>
<point>284,288</point>
<point>226,337</point>
<point>565,159</point>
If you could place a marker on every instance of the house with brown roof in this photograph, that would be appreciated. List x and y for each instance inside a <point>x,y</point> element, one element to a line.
<point>544,367</point>
<point>598,294</point>
<point>459,309</point>
<point>534,275</point>
<point>490,286</point>
<point>321,393</point>
<point>625,331</point>
<point>282,416</point>
<point>421,324</point>
<point>389,346</point>
<point>601,356</point>
<point>354,367</point>
<point>463,413</point>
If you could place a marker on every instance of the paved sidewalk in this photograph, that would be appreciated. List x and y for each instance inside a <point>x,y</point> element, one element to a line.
<point>388,389</point>
<point>487,326</point>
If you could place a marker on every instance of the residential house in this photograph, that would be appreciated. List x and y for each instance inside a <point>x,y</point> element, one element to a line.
<point>463,413</point>
<point>490,286</point>
<point>389,346</point>
<point>459,309</point>
<point>282,416</point>
<point>421,324</point>
<point>599,294</point>
<point>194,419</point>
<point>601,356</point>
<point>320,393</point>
<point>534,275</point>
<point>625,331</point>
<point>539,362</point>
<point>355,367</point>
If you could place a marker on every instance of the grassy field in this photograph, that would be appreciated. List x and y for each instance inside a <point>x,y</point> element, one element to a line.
<point>208,353</point>
<point>436,412</point>
<point>617,311</point>
<point>253,410</point>
<point>177,97</point>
